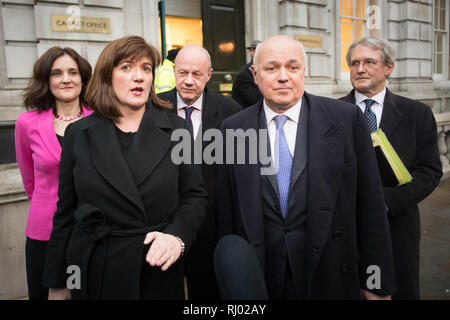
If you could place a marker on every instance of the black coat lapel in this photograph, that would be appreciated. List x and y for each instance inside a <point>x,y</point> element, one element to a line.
<point>350,97</point>
<point>170,96</point>
<point>300,152</point>
<point>109,161</point>
<point>325,165</point>
<point>248,186</point>
<point>391,115</point>
<point>151,143</point>
<point>272,177</point>
<point>210,109</point>
<point>301,142</point>
<point>210,112</point>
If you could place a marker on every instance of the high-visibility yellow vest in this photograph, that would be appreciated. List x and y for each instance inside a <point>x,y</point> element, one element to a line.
<point>165,77</point>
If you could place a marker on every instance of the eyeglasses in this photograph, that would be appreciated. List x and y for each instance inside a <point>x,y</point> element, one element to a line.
<point>369,63</point>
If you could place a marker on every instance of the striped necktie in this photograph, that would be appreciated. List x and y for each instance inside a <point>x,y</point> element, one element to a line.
<point>190,126</point>
<point>370,115</point>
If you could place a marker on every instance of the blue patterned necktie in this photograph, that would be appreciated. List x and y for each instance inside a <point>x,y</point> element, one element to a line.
<point>189,111</point>
<point>370,115</point>
<point>283,160</point>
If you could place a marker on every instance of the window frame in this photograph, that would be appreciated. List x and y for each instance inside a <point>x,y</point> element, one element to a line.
<point>445,45</point>
<point>342,74</point>
<point>366,32</point>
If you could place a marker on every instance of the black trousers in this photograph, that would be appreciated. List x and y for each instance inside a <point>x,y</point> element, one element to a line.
<point>289,290</point>
<point>35,252</point>
<point>172,289</point>
<point>199,270</point>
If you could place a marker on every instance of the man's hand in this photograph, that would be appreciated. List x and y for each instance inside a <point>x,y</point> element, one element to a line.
<point>372,296</point>
<point>59,294</point>
<point>164,251</point>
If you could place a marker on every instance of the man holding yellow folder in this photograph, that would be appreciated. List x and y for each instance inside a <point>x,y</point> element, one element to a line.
<point>410,128</point>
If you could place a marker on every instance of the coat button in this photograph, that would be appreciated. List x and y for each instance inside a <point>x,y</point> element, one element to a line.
<point>345,268</point>
<point>336,235</point>
<point>286,231</point>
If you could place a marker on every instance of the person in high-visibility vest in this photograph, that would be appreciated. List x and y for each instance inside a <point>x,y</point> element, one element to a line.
<point>165,77</point>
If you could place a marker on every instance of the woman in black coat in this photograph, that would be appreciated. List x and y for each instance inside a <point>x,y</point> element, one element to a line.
<point>126,212</point>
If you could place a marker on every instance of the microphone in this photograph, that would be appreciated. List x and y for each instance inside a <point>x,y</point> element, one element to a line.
<point>238,272</point>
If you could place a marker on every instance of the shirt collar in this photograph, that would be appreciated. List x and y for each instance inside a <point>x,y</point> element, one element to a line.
<point>292,113</point>
<point>379,97</point>
<point>197,104</point>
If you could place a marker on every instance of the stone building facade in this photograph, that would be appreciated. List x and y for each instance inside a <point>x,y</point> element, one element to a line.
<point>417,29</point>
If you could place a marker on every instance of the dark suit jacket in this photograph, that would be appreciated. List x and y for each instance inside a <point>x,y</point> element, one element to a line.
<point>245,91</point>
<point>346,228</point>
<point>216,108</point>
<point>107,205</point>
<point>411,129</point>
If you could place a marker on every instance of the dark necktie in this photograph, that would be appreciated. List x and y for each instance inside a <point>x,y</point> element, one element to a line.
<point>189,111</point>
<point>283,160</point>
<point>370,115</point>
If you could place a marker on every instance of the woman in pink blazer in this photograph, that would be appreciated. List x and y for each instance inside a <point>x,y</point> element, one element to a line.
<point>54,98</point>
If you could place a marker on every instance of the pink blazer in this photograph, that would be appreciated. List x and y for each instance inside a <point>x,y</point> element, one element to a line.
<point>38,153</point>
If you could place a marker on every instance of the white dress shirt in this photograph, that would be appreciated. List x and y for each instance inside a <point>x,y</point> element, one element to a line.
<point>377,107</point>
<point>196,116</point>
<point>290,127</point>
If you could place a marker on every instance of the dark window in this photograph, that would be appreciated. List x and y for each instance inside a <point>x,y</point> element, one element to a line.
<point>7,149</point>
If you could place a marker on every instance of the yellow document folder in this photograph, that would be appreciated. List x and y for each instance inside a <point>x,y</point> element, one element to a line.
<point>392,170</point>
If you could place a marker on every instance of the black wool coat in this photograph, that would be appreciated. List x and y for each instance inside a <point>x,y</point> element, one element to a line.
<point>108,204</point>
<point>245,91</point>
<point>199,262</point>
<point>346,225</point>
<point>411,129</point>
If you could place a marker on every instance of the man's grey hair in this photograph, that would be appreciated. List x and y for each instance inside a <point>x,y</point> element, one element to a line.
<point>387,53</point>
<point>305,58</point>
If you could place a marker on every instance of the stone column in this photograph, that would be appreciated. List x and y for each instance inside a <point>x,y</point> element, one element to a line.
<point>17,54</point>
<point>13,215</point>
<point>150,25</point>
<point>313,24</point>
<point>261,20</point>
<point>410,31</point>
<point>443,149</point>
<point>447,140</point>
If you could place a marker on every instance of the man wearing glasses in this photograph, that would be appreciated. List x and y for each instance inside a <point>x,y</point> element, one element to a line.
<point>411,129</point>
